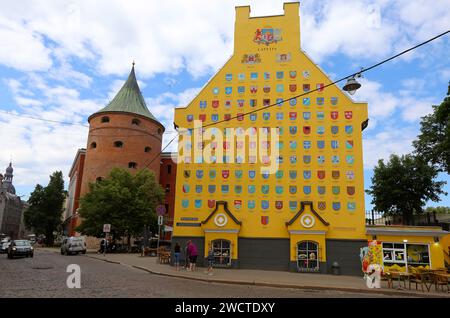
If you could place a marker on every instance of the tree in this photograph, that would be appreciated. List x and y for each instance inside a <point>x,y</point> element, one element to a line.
<point>46,207</point>
<point>127,202</point>
<point>433,142</point>
<point>438,210</point>
<point>404,185</point>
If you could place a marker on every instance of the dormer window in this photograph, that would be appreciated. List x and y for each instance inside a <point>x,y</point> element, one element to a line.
<point>105,119</point>
<point>136,122</point>
<point>118,144</point>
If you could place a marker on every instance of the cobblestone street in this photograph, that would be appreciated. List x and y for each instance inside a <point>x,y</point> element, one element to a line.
<point>45,276</point>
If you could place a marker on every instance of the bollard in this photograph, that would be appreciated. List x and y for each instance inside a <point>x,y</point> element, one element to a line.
<point>335,268</point>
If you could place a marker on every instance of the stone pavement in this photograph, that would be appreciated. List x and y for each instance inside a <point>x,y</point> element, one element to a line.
<point>260,277</point>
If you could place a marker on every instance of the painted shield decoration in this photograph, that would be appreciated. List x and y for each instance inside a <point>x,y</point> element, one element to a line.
<point>184,203</point>
<point>253,89</point>
<point>279,174</point>
<point>211,203</point>
<point>306,101</point>
<point>348,115</point>
<point>238,189</point>
<point>265,204</point>
<point>306,130</point>
<point>306,87</point>
<point>215,103</point>
<point>307,190</point>
<point>334,144</point>
<point>279,189</point>
<point>292,174</point>
<point>335,174</point>
<point>293,130</point>
<point>186,188</point>
<point>307,174</point>
<point>306,115</point>
<point>334,130</point>
<point>293,205</point>
<point>199,174</point>
<point>198,204</point>
<point>266,89</point>
<point>351,206</point>
<point>189,118</point>
<point>293,74</point>
<point>348,130</point>
<point>253,117</point>
<point>228,90</point>
<point>265,174</point>
<point>264,219</point>
<point>292,87</point>
<point>307,144</point>
<point>202,104</point>
<point>322,205</point>
<point>292,189</point>
<point>350,175</point>
<point>335,160</point>
<point>334,115</point>
<point>251,204</point>
<point>251,189</point>
<point>293,101</point>
<point>198,188</point>
<point>237,204</point>
<point>280,75</point>
<point>214,117</point>
<point>320,101</point>
<point>279,101</point>
<point>350,190</point>
<point>251,174</point>
<point>336,206</point>
<point>211,188</point>
<point>292,115</point>
<point>212,174</point>
<point>265,189</point>
<point>293,159</point>
<point>225,188</point>
<point>307,159</point>
<point>240,103</point>
<point>266,116</point>
<point>336,190</point>
<point>320,160</point>
<point>320,144</point>
<point>334,101</point>
<point>202,117</point>
<point>349,144</point>
<point>321,174</point>
<point>238,174</point>
<point>278,205</point>
<point>225,174</point>
<point>321,190</point>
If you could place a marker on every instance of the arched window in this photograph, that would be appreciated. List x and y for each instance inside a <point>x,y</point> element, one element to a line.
<point>105,119</point>
<point>93,145</point>
<point>222,253</point>
<point>136,122</point>
<point>132,165</point>
<point>118,144</point>
<point>307,256</point>
<point>148,149</point>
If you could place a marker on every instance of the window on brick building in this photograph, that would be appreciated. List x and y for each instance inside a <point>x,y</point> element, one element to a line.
<point>136,122</point>
<point>132,165</point>
<point>167,208</point>
<point>148,149</point>
<point>118,144</point>
<point>167,188</point>
<point>105,119</point>
<point>93,145</point>
<point>169,169</point>
<point>99,179</point>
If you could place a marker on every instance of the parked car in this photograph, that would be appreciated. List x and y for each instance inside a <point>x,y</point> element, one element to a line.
<point>73,245</point>
<point>20,248</point>
<point>4,247</point>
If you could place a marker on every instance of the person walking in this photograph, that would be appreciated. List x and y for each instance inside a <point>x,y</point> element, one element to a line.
<point>186,256</point>
<point>193,254</point>
<point>176,254</point>
<point>210,261</point>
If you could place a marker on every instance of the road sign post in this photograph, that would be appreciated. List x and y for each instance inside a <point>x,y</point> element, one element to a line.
<point>106,230</point>
<point>160,223</point>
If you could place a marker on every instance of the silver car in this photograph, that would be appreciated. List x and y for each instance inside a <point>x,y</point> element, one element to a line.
<point>73,245</point>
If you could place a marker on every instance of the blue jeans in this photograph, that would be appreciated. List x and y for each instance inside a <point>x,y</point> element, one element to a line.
<point>177,258</point>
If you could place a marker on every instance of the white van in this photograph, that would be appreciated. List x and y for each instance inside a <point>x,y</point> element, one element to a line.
<point>73,245</point>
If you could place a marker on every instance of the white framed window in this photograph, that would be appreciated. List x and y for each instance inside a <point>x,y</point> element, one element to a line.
<point>222,253</point>
<point>406,254</point>
<point>307,256</point>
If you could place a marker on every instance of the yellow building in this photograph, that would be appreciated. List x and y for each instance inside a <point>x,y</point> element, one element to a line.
<point>273,178</point>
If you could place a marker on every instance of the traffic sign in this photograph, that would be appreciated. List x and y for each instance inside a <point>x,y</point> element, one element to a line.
<point>106,228</point>
<point>160,220</point>
<point>161,209</point>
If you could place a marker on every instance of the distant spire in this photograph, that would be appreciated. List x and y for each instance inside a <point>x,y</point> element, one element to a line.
<point>133,63</point>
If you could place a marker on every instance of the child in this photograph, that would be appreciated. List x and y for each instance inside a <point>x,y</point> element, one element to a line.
<point>210,261</point>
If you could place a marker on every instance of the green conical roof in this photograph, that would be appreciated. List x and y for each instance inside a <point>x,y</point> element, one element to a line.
<point>129,99</point>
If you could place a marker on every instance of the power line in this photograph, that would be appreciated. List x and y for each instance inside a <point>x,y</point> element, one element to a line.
<point>363,70</point>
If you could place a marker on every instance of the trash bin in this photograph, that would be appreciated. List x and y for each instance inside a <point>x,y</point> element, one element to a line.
<point>336,268</point>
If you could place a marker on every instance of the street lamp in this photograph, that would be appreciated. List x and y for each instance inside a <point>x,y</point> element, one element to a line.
<point>352,84</point>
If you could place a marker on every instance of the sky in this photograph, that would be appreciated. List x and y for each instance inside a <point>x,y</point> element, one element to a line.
<point>64,60</point>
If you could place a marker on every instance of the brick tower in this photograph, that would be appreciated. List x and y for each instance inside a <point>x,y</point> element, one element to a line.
<point>124,134</point>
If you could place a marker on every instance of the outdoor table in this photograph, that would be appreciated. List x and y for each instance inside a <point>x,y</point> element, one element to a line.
<point>399,275</point>
<point>446,276</point>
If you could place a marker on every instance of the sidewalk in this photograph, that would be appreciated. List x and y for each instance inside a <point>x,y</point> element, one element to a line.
<point>279,279</point>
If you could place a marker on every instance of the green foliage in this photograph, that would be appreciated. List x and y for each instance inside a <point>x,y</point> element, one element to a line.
<point>438,210</point>
<point>46,206</point>
<point>433,142</point>
<point>127,202</point>
<point>403,185</point>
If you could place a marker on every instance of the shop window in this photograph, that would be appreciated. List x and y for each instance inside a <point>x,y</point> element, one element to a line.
<point>307,256</point>
<point>402,254</point>
<point>136,122</point>
<point>118,144</point>
<point>105,119</point>
<point>222,253</point>
<point>132,165</point>
<point>93,145</point>
<point>148,149</point>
